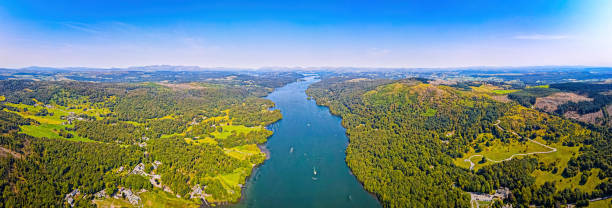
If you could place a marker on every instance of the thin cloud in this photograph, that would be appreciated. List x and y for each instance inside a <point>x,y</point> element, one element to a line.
<point>81,27</point>
<point>541,37</point>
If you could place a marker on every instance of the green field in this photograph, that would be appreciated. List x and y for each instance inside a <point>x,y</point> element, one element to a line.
<point>570,183</point>
<point>601,204</point>
<point>185,126</point>
<point>503,92</point>
<point>233,181</point>
<point>233,129</point>
<point>538,86</point>
<point>51,124</point>
<point>498,151</point>
<point>243,152</point>
<point>207,140</point>
<point>50,131</point>
<point>162,199</point>
<point>429,112</point>
<point>250,152</point>
<point>155,198</point>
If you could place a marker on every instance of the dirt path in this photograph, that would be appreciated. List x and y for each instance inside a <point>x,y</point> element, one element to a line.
<point>592,200</point>
<point>472,202</point>
<point>5,152</point>
<point>552,149</point>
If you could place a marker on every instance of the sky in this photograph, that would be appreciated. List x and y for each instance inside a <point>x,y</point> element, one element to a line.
<point>326,33</point>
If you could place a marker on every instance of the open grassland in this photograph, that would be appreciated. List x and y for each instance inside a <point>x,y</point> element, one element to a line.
<point>484,204</point>
<point>207,140</point>
<point>54,121</point>
<point>559,159</point>
<point>243,152</point>
<point>556,161</point>
<point>50,131</point>
<point>491,89</point>
<point>181,127</point>
<point>607,203</point>
<point>503,92</point>
<point>571,182</point>
<point>165,136</point>
<point>30,111</point>
<point>223,130</point>
<point>485,88</point>
<point>233,129</point>
<point>498,151</point>
<point>538,86</point>
<point>233,182</point>
<point>162,199</point>
<point>155,198</point>
<point>50,124</point>
<point>112,202</point>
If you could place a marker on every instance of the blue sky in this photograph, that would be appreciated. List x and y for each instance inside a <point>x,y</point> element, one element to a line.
<point>305,33</point>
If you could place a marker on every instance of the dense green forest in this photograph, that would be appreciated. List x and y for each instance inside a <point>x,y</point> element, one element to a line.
<point>410,144</point>
<point>413,142</point>
<point>59,138</point>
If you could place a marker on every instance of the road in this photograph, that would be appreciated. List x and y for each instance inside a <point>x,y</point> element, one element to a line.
<point>552,149</point>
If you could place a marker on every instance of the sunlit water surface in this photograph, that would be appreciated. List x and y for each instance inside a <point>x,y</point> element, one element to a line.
<point>306,167</point>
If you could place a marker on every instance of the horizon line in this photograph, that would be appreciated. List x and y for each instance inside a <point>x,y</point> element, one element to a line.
<point>221,68</point>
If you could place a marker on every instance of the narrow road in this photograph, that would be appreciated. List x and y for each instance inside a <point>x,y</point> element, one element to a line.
<point>600,198</point>
<point>552,149</point>
<point>594,200</point>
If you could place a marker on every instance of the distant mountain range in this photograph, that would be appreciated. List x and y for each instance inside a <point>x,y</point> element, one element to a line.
<point>336,69</point>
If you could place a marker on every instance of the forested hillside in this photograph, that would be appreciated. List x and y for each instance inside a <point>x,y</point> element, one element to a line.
<point>118,144</point>
<point>585,102</point>
<point>416,144</point>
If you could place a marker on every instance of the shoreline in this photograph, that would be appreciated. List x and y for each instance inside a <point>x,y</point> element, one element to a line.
<point>348,142</point>
<point>262,147</point>
<point>254,170</point>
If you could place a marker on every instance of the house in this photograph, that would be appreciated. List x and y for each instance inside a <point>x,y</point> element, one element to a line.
<point>100,194</point>
<point>70,197</point>
<point>129,195</point>
<point>139,169</point>
<point>196,192</point>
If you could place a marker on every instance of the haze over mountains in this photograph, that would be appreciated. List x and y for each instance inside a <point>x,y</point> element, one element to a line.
<point>302,104</point>
<point>343,69</point>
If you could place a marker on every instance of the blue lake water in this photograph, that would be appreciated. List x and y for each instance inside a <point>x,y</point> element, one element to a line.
<point>306,167</point>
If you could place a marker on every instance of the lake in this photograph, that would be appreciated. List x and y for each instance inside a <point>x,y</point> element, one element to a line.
<point>306,167</point>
